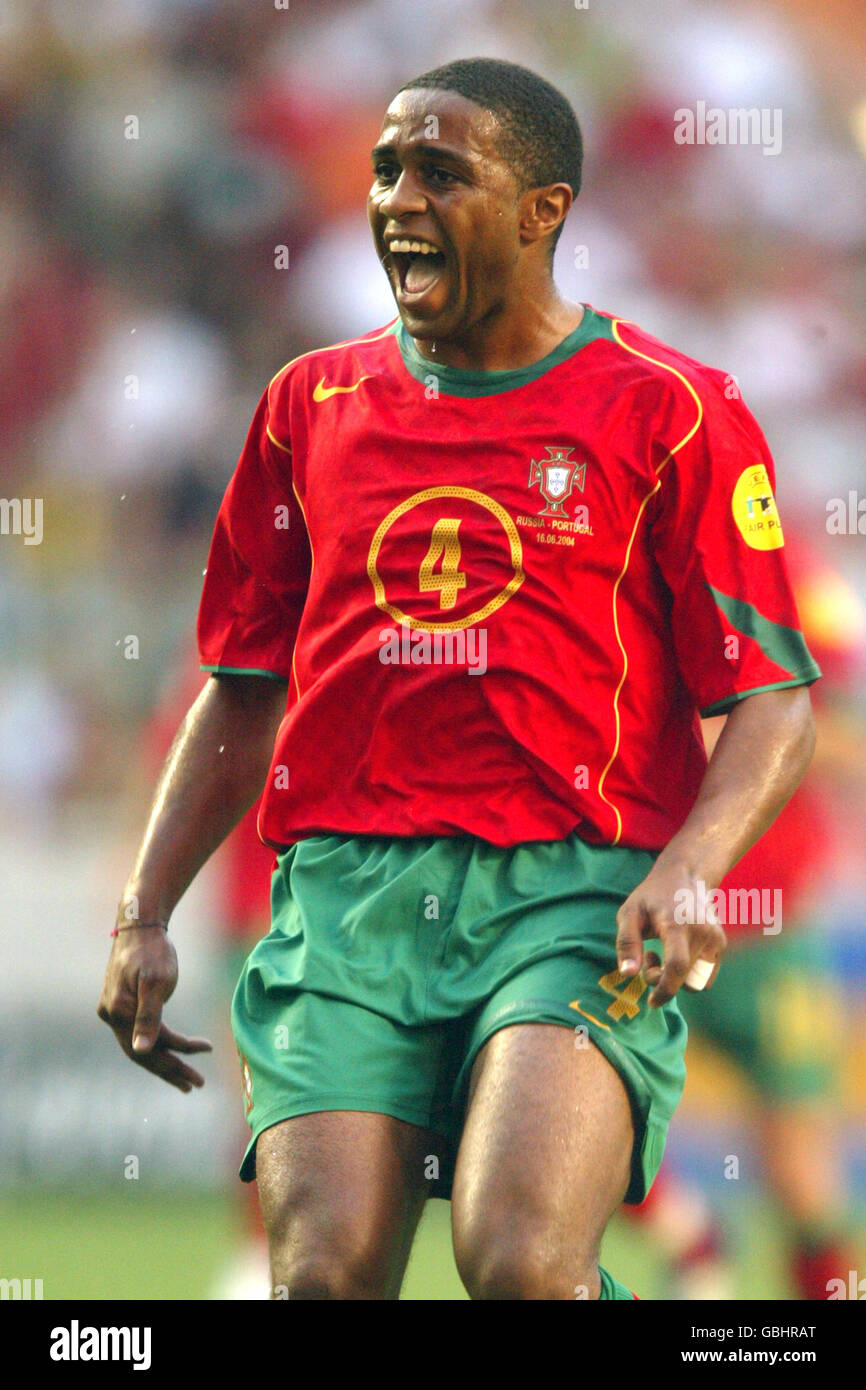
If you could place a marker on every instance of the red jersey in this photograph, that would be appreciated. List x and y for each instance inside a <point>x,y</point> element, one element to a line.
<point>500,598</point>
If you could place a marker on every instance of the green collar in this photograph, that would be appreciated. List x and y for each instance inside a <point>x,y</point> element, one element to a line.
<point>457,381</point>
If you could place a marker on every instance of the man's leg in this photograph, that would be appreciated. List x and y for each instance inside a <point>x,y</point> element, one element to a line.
<point>544,1161</point>
<point>341,1193</point>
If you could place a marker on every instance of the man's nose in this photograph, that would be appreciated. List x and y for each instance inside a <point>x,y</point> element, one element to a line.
<point>403,197</point>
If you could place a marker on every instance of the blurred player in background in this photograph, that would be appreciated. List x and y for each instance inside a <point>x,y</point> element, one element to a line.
<point>775,1012</point>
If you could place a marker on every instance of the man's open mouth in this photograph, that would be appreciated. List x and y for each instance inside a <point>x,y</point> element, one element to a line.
<point>419,265</point>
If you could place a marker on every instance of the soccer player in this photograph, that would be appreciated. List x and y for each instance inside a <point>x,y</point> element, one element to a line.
<point>473,580</point>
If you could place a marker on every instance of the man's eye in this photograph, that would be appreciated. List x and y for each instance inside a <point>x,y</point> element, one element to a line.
<point>442,176</point>
<point>383,172</point>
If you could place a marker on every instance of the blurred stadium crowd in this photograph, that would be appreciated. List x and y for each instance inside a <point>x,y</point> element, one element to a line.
<point>161,162</point>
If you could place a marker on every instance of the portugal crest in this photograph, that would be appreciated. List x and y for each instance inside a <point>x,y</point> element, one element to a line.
<point>557,477</point>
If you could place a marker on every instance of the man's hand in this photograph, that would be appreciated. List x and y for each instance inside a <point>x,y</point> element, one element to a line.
<point>756,766</point>
<point>215,769</point>
<point>141,975</point>
<point>650,911</point>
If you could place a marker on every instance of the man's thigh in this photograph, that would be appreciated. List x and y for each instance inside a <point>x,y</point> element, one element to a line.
<point>544,1161</point>
<point>341,1193</point>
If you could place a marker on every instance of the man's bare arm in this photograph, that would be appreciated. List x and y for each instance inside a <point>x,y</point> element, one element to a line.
<point>214,771</point>
<point>757,765</point>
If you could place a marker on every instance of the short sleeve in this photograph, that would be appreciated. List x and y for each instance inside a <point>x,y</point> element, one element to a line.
<point>717,538</point>
<point>259,564</point>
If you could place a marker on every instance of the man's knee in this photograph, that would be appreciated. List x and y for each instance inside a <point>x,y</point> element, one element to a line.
<point>524,1264</point>
<point>325,1269</point>
<point>324,1249</point>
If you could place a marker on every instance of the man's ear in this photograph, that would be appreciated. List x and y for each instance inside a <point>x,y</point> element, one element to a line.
<point>543,209</point>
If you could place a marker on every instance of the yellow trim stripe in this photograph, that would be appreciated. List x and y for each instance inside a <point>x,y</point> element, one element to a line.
<point>615,752</point>
<point>312,567</point>
<point>668,368</point>
<point>285,448</point>
<point>675,450</point>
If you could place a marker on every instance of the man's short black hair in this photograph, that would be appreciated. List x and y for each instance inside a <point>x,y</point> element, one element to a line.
<point>540,135</point>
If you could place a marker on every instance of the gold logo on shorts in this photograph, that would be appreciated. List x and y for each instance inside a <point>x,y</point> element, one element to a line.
<point>575,1004</point>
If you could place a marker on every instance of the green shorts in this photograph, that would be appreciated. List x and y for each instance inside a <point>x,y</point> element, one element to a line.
<point>391,962</point>
<point>773,1010</point>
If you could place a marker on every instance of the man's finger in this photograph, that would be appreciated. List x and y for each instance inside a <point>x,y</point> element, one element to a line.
<point>166,1066</point>
<point>629,938</point>
<point>700,974</point>
<point>692,958</point>
<point>176,1042</point>
<point>164,1072</point>
<point>677,962</point>
<point>703,973</point>
<point>652,967</point>
<point>173,1070</point>
<point>151,997</point>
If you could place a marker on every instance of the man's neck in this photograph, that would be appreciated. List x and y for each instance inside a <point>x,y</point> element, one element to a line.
<point>509,341</point>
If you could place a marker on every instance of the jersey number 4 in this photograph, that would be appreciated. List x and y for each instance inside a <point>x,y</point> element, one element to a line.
<point>444,543</point>
<point>626,1001</point>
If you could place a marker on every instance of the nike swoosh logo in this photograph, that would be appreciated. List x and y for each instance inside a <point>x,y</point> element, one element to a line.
<point>575,1004</point>
<point>321,392</point>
